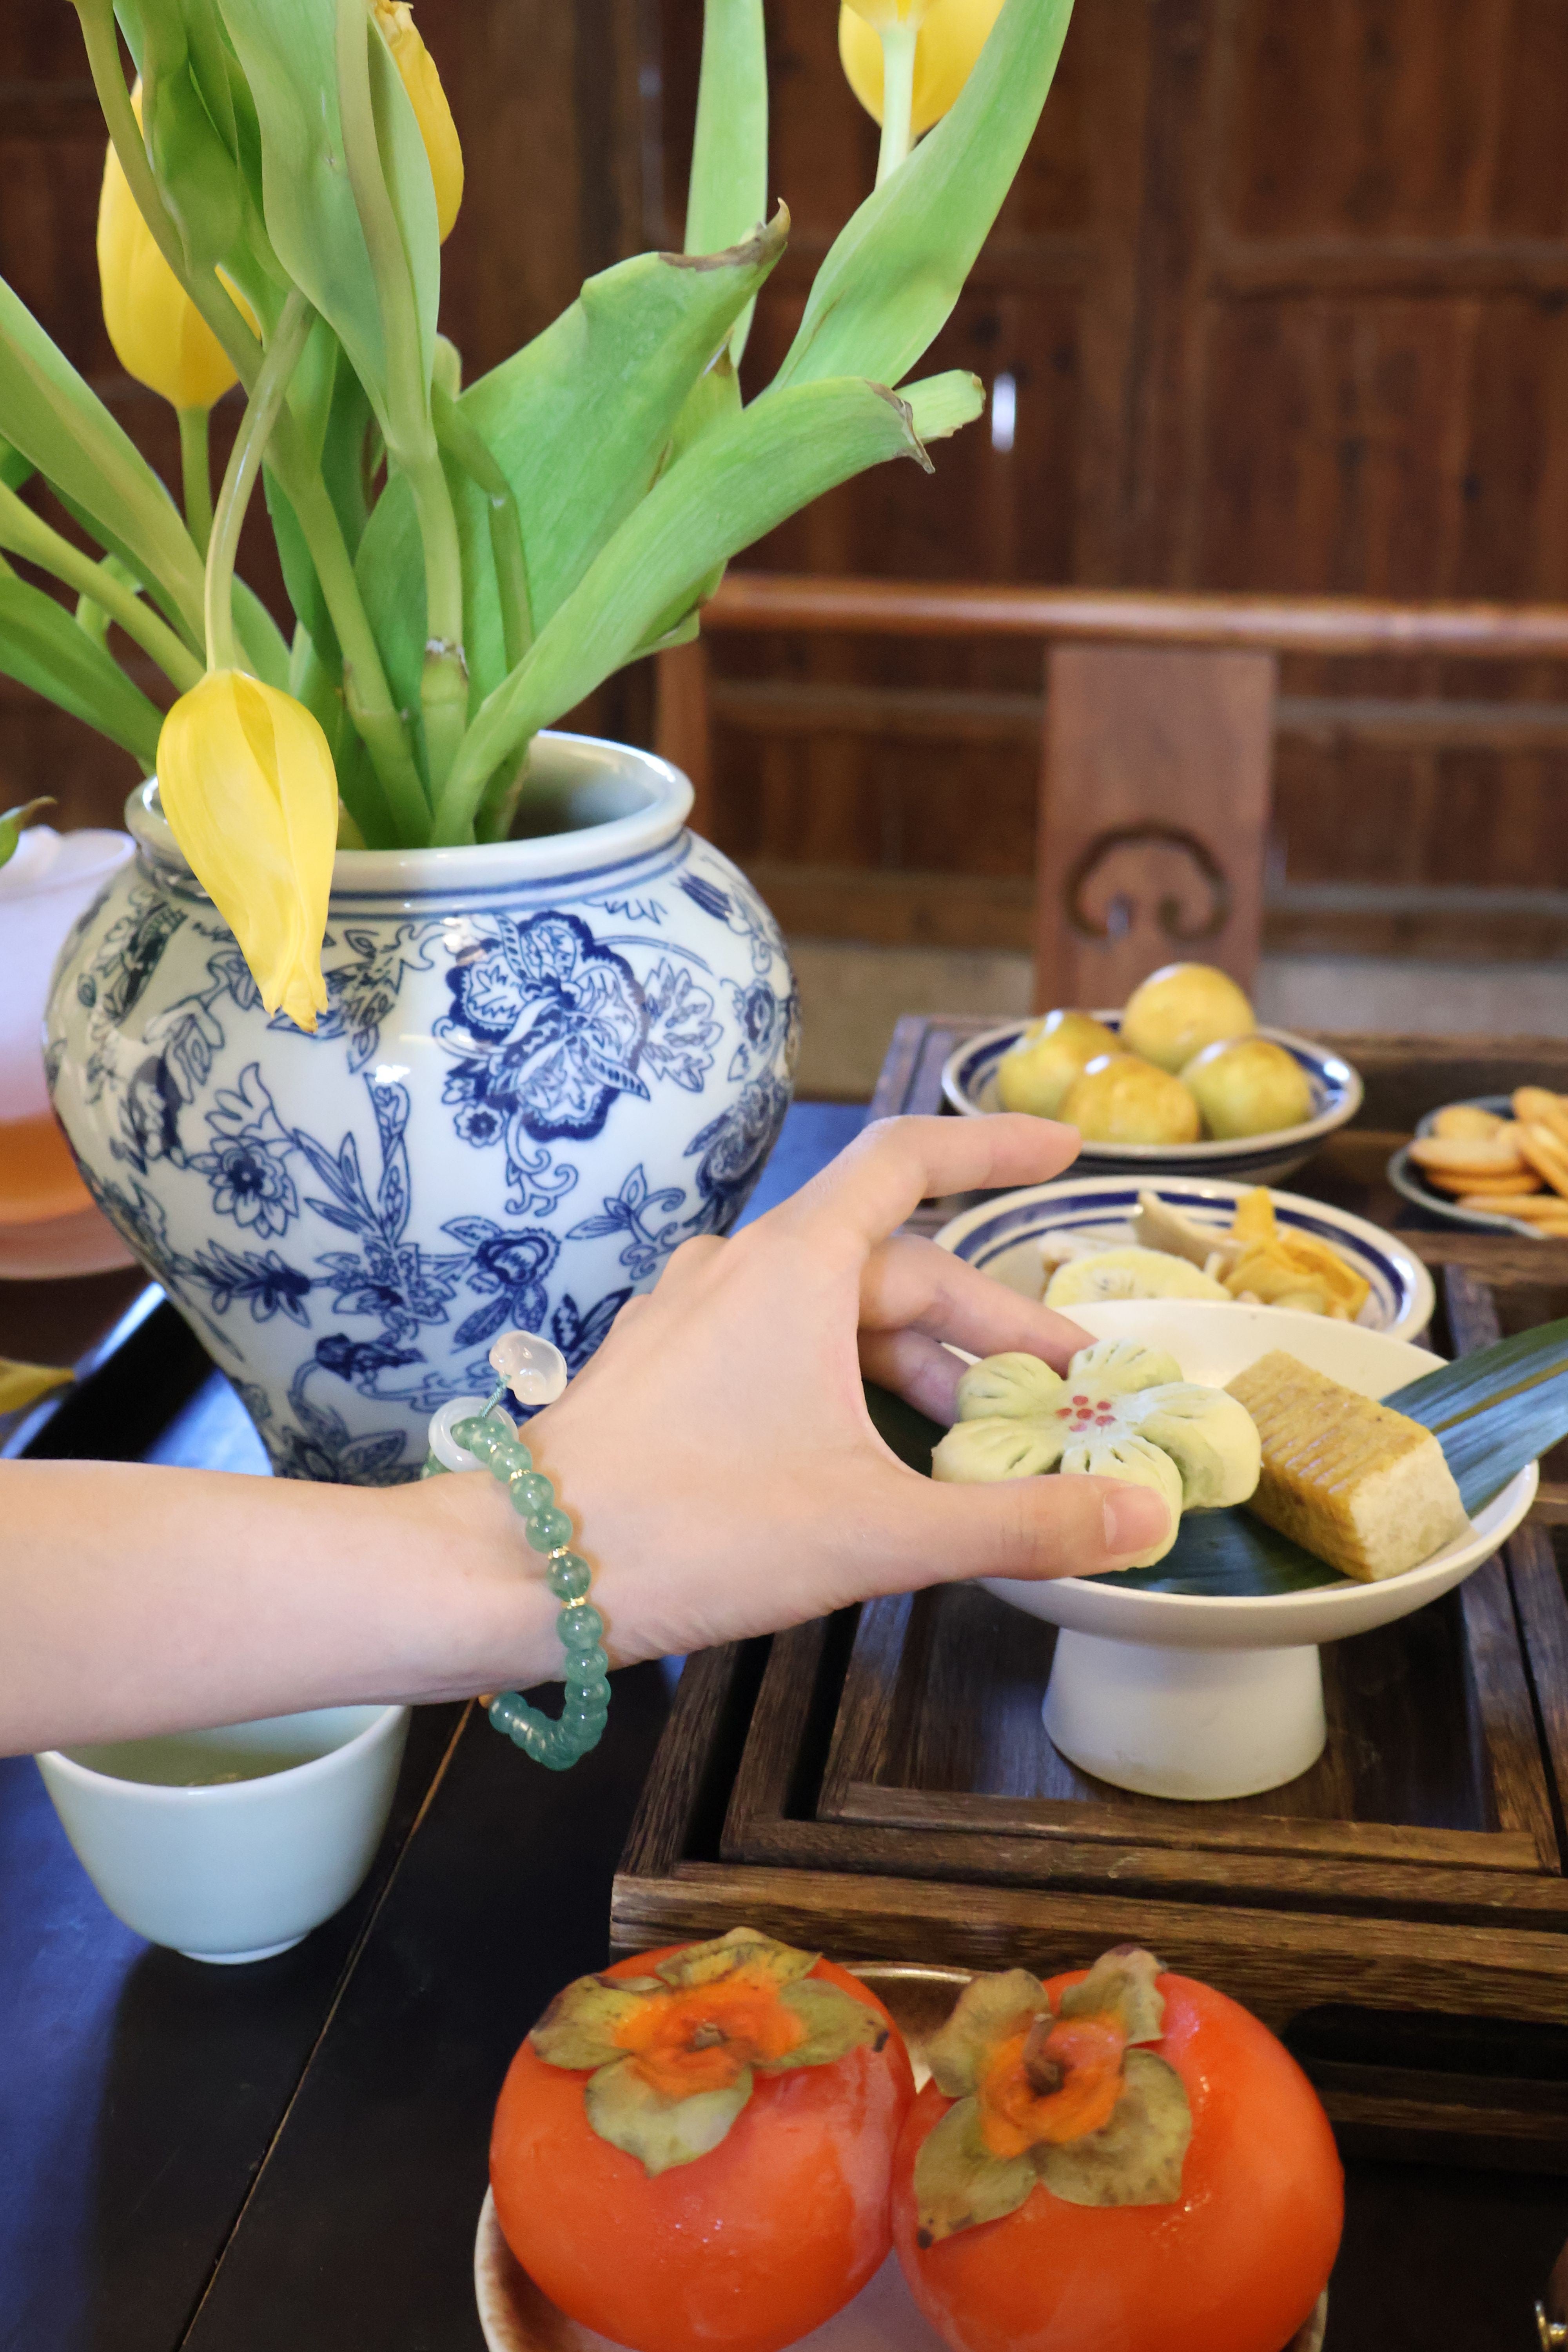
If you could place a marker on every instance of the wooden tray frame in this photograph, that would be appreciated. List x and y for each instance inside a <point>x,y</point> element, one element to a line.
<point>765,1803</point>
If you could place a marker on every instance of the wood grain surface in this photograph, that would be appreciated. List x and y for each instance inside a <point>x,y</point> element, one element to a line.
<point>891,1792</point>
<point>1154,791</point>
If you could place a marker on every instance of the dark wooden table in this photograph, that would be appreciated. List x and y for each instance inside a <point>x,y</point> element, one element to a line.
<point>293,2154</point>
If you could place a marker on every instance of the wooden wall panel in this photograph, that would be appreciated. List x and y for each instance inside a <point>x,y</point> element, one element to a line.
<point>1284,291</point>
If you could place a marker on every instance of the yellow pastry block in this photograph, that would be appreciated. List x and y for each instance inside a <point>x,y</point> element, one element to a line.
<point>1361,1486</point>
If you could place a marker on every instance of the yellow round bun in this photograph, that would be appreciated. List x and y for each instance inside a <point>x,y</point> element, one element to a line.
<point>1124,1099</point>
<point>1035,1074</point>
<point>1179,1009</point>
<point>1248,1086</point>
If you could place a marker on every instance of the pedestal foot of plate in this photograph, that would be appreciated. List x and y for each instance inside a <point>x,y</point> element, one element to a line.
<point>239,1960</point>
<point>1192,1724</point>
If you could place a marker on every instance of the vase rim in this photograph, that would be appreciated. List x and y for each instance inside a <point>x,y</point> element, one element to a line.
<point>618,803</point>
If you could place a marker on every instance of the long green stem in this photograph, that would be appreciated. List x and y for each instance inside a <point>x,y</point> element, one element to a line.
<point>195,474</point>
<point>468,447</point>
<point>366,692</point>
<point>366,695</point>
<point>898,96</point>
<point>26,534</point>
<point>410,435</point>
<point>240,478</point>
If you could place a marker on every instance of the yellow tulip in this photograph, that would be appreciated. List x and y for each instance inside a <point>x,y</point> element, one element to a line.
<point>884,15</point>
<point>247,783</point>
<point>159,335</point>
<point>952,35</point>
<point>416,67</point>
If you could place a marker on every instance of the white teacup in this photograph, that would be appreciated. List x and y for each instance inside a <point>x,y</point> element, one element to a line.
<point>232,1844</point>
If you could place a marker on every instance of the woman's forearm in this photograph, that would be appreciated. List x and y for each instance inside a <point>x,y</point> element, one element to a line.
<point>135,1600</point>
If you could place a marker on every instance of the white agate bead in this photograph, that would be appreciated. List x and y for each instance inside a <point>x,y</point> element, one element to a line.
<point>443,1444</point>
<point>534,1370</point>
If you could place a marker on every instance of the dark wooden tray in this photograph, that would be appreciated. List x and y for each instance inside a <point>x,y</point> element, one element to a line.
<point>881,1784</point>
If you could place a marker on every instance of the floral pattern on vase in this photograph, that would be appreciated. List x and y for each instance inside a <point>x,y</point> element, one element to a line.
<point>544,1065</point>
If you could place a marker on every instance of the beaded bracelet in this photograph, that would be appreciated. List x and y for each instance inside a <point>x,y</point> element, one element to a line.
<point>471,1433</point>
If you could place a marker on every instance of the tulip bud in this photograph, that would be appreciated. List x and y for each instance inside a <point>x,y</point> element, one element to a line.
<point>952,35</point>
<point>247,783</point>
<point>416,69</point>
<point>159,335</point>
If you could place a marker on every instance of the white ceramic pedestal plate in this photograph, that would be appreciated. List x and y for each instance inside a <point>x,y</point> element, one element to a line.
<point>1178,1695</point>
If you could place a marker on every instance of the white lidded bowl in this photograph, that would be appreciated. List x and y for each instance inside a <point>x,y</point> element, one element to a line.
<point>241,1867</point>
<point>968,1084</point>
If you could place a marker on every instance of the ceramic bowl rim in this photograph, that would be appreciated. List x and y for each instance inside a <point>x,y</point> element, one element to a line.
<point>609,841</point>
<point>1417,1277</point>
<point>1211,1150</point>
<point>380,1728</point>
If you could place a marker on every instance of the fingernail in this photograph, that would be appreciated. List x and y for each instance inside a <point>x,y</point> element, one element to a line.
<point>1135,1520</point>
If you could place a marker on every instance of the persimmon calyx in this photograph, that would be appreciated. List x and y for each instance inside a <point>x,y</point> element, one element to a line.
<point>674,2056</point>
<point>1070,2101</point>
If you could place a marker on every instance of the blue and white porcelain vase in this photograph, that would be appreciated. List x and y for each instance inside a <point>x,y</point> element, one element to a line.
<point>546,1063</point>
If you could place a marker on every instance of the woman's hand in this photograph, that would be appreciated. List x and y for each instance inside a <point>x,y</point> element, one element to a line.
<point>716,1457</point>
<point>717,1454</point>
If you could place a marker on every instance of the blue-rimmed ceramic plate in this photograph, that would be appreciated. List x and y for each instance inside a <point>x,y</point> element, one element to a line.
<point>1407,1178</point>
<point>969,1083</point>
<point>1003,1236</point>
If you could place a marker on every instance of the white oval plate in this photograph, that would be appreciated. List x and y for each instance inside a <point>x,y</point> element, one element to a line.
<point>1001,1235</point>
<point>969,1084</point>
<point>1212,1343</point>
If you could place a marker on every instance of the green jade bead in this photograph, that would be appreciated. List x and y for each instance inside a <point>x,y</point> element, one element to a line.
<point>579,1626</point>
<point>567,1576</point>
<point>548,1529</point>
<point>531,1491</point>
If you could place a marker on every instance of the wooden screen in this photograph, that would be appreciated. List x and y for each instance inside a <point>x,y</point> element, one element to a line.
<point>1282,292</point>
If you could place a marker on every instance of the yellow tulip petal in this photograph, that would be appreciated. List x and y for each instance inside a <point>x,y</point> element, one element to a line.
<point>247,783</point>
<point>882,16</point>
<point>24,1384</point>
<point>159,335</point>
<point>416,71</point>
<point>952,36</point>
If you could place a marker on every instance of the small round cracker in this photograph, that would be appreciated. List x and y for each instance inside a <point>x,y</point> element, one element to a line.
<point>1482,1155</point>
<point>1543,1150</point>
<point>1468,1122</point>
<point>1521,1180</point>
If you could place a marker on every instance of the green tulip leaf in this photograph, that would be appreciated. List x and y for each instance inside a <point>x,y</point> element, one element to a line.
<point>51,418</point>
<point>42,647</point>
<point>727,197</point>
<point>739,482</point>
<point>580,422</point>
<point>892,276</point>
<point>288,49</point>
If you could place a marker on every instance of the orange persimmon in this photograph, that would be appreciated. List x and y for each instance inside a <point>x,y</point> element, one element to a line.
<point>1233,2261</point>
<point>741,2245</point>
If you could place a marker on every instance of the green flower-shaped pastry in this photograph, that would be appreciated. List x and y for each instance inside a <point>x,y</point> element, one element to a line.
<point>1122,1411</point>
